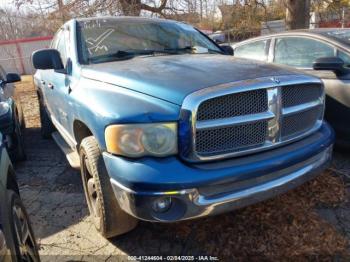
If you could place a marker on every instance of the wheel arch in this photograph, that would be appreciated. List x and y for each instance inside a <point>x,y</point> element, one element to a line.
<point>11,182</point>
<point>80,131</point>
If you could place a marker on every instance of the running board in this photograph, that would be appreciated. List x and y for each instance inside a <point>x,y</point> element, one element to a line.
<point>71,155</point>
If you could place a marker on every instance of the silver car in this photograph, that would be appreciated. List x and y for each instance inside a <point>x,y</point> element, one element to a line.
<point>321,52</point>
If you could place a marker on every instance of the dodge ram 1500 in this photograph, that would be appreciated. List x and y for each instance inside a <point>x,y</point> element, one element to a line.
<point>165,126</point>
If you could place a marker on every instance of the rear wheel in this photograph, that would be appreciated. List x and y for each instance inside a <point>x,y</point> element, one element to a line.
<point>23,246</point>
<point>47,128</point>
<point>109,219</point>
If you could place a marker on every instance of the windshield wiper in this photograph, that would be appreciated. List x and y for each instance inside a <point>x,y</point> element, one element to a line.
<point>215,51</point>
<point>124,55</point>
<point>154,52</point>
<point>192,48</point>
<point>186,48</point>
<point>120,55</point>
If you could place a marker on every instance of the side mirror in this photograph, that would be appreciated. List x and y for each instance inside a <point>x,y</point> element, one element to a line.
<point>228,50</point>
<point>332,63</point>
<point>47,59</point>
<point>12,77</point>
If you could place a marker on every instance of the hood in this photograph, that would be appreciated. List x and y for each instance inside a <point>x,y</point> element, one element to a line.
<point>173,77</point>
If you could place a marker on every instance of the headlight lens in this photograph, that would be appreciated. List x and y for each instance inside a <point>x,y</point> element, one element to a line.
<point>4,108</point>
<point>136,140</point>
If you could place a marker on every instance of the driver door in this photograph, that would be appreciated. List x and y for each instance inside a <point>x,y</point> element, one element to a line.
<point>44,80</point>
<point>61,91</point>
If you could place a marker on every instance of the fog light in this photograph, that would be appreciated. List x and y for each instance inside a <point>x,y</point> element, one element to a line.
<point>162,205</point>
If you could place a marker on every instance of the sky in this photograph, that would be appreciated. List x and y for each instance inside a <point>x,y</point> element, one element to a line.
<point>6,3</point>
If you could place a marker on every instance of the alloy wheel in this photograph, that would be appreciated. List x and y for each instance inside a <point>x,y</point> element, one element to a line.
<point>23,236</point>
<point>93,199</point>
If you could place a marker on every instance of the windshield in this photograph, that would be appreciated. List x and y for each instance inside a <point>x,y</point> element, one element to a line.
<point>103,40</point>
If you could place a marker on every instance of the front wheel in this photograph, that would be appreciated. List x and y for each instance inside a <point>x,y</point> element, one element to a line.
<point>109,219</point>
<point>19,153</point>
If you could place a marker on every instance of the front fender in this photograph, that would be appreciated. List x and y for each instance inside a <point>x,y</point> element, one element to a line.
<point>99,104</point>
<point>7,123</point>
<point>5,164</point>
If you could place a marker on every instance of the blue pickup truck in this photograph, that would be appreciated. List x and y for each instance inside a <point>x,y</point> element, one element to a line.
<point>165,126</point>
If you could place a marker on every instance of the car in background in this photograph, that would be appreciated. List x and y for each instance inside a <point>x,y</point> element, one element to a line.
<point>11,116</point>
<point>17,241</point>
<point>219,37</point>
<point>324,53</point>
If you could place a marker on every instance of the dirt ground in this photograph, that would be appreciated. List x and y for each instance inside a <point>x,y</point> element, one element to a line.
<point>309,223</point>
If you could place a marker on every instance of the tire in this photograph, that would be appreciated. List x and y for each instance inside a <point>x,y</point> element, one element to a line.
<point>109,219</point>
<point>22,242</point>
<point>21,119</point>
<point>47,128</point>
<point>19,152</point>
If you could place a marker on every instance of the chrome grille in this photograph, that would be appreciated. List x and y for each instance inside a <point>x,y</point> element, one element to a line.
<point>291,95</point>
<point>233,105</point>
<point>249,116</point>
<point>300,122</point>
<point>224,139</point>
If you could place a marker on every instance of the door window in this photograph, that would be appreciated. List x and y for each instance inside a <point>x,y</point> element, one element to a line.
<point>55,39</point>
<point>256,50</point>
<point>300,51</point>
<point>60,45</point>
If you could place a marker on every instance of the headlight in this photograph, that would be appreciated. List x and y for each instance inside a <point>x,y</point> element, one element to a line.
<point>136,140</point>
<point>4,108</point>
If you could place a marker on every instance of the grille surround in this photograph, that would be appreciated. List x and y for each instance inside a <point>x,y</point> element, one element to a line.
<point>190,124</point>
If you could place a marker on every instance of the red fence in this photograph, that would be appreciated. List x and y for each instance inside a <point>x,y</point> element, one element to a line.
<point>15,54</point>
<point>334,24</point>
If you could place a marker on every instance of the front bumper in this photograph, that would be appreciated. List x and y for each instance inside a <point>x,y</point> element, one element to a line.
<point>222,186</point>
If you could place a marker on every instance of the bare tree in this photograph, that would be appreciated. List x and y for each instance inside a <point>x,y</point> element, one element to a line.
<point>297,14</point>
<point>134,7</point>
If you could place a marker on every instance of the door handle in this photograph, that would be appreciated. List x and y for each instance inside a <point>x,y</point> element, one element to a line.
<point>42,82</point>
<point>49,85</point>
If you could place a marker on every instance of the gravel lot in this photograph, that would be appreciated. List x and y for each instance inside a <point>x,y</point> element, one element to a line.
<point>312,222</point>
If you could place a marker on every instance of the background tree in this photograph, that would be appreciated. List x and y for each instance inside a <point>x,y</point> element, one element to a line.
<point>241,18</point>
<point>297,14</point>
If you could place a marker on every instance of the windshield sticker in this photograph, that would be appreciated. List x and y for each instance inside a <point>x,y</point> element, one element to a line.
<point>95,45</point>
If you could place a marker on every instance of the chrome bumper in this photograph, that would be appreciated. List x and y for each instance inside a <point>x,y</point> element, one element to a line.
<point>190,203</point>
